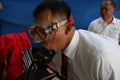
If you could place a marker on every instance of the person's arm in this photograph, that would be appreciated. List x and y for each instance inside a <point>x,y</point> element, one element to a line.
<point>103,69</point>
<point>1,7</point>
<point>90,27</point>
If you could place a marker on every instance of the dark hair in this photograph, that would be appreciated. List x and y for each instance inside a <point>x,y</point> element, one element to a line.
<point>57,7</point>
<point>113,2</point>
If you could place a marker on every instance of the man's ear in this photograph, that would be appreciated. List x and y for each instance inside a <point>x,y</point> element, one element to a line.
<point>68,27</point>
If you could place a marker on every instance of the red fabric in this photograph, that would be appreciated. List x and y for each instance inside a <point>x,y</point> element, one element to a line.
<point>13,44</point>
<point>71,19</point>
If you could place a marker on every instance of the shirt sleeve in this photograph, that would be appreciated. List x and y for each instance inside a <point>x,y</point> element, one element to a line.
<point>103,69</point>
<point>90,27</point>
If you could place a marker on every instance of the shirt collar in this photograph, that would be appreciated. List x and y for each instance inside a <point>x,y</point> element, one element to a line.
<point>113,21</point>
<point>72,47</point>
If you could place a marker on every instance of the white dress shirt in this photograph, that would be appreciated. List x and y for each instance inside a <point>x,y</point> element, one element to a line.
<point>111,30</point>
<point>91,57</point>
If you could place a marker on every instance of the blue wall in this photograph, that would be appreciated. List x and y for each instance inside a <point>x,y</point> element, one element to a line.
<point>16,15</point>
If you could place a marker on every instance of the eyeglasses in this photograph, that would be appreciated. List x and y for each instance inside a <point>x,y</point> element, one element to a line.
<point>40,33</point>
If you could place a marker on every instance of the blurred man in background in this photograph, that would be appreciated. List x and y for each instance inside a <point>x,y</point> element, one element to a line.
<point>107,24</point>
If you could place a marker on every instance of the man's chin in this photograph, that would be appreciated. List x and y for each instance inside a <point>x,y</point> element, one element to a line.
<point>104,17</point>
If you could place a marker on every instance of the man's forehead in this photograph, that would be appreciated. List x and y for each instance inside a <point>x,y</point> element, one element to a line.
<point>106,2</point>
<point>45,18</point>
<point>42,23</point>
<point>45,15</point>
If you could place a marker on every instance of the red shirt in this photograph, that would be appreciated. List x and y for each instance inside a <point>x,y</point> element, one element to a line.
<point>12,45</point>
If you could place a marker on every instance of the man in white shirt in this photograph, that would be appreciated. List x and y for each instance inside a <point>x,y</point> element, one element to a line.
<point>107,24</point>
<point>90,56</point>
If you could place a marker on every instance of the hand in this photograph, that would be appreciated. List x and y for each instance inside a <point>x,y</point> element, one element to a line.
<point>52,66</point>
